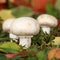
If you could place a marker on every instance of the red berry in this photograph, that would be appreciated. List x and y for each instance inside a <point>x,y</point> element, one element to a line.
<point>10,55</point>
<point>19,53</point>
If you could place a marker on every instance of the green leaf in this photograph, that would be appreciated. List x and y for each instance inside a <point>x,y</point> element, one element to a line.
<point>32,58</point>
<point>51,10</point>
<point>41,55</point>
<point>4,39</point>
<point>49,7</point>
<point>33,48</point>
<point>22,11</point>
<point>10,47</point>
<point>2,57</point>
<point>17,58</point>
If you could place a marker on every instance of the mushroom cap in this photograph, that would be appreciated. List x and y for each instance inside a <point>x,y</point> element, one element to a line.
<point>7,24</point>
<point>25,26</point>
<point>47,20</point>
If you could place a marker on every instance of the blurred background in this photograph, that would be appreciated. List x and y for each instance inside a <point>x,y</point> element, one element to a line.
<point>31,8</point>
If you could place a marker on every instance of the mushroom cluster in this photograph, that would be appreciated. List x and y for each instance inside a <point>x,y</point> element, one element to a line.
<point>23,27</point>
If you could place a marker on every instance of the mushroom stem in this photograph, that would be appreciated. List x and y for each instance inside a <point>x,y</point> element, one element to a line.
<point>46,29</point>
<point>13,37</point>
<point>25,41</point>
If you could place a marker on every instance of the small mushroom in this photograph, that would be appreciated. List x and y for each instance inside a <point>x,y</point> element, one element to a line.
<point>46,21</point>
<point>6,28</point>
<point>25,28</point>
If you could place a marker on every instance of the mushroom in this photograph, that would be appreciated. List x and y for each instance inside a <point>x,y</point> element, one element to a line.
<point>25,28</point>
<point>46,22</point>
<point>6,28</point>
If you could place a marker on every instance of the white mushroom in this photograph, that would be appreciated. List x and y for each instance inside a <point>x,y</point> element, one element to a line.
<point>6,27</point>
<point>46,21</point>
<point>25,28</point>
